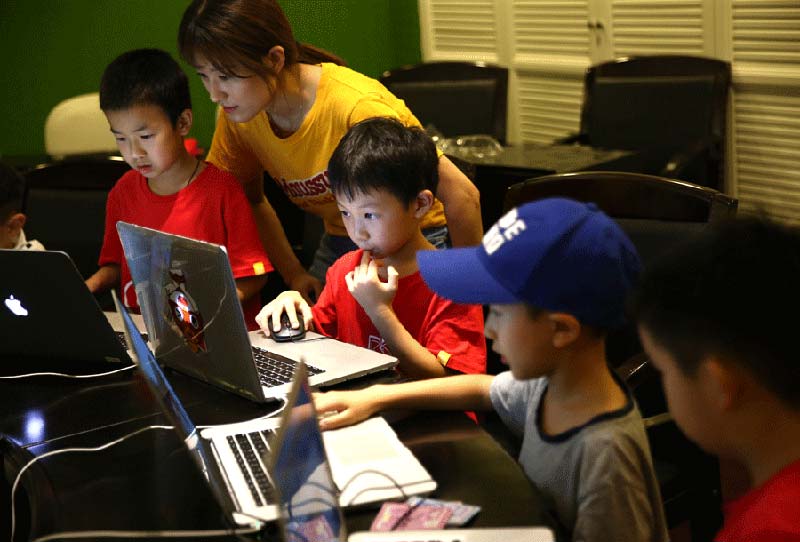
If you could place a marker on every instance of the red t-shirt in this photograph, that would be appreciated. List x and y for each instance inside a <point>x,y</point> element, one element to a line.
<point>767,513</point>
<point>450,331</point>
<point>212,208</point>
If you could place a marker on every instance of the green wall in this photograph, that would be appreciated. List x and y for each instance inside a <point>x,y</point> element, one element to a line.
<point>51,50</point>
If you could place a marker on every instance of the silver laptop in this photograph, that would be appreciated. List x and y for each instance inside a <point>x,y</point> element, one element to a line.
<point>187,296</point>
<point>46,311</point>
<point>245,463</point>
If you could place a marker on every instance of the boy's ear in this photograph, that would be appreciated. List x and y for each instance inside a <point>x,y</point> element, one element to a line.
<point>566,328</point>
<point>423,203</point>
<point>15,223</point>
<point>184,123</point>
<point>724,383</point>
<point>275,58</point>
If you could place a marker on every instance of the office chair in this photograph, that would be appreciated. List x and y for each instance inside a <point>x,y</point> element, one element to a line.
<point>458,98</point>
<point>689,478</point>
<point>670,108</point>
<point>77,126</point>
<point>65,201</point>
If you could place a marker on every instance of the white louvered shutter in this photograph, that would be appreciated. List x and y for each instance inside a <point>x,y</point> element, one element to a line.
<point>459,30</point>
<point>765,50</point>
<point>661,27</point>
<point>549,55</point>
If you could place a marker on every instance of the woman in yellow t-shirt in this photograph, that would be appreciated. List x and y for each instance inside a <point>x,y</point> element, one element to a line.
<point>284,106</point>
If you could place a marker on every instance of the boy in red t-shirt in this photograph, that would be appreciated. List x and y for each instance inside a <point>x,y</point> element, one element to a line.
<point>383,175</point>
<point>716,317</point>
<point>145,97</point>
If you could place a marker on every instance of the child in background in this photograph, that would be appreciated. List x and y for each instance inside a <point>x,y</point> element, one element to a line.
<point>383,175</point>
<point>712,316</point>
<point>12,219</point>
<point>556,273</point>
<point>145,97</point>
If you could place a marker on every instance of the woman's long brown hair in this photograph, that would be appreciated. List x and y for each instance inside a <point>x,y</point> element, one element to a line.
<point>235,36</point>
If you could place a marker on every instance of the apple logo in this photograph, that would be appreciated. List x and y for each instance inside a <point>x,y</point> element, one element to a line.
<point>15,306</point>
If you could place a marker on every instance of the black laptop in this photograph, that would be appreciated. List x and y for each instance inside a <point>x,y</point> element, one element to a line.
<point>48,313</point>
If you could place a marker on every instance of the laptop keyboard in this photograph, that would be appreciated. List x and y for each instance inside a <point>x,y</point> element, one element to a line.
<point>248,448</point>
<point>275,370</point>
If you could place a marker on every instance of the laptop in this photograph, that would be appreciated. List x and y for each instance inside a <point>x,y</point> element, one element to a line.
<point>47,312</point>
<point>367,462</point>
<point>187,296</point>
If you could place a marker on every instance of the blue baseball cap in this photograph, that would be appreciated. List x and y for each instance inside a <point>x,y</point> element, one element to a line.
<point>554,254</point>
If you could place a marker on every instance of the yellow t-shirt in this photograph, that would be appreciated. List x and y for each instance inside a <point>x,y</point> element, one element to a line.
<point>299,163</point>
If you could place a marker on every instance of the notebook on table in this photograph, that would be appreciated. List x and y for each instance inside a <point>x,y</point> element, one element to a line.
<point>47,312</point>
<point>244,462</point>
<point>188,299</point>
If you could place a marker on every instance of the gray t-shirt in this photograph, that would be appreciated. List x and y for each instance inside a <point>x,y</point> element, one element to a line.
<point>598,478</point>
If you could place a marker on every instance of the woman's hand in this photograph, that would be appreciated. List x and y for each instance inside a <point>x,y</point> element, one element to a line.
<point>308,286</point>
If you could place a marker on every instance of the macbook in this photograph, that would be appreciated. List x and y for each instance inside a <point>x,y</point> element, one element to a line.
<point>47,312</point>
<point>248,464</point>
<point>188,299</point>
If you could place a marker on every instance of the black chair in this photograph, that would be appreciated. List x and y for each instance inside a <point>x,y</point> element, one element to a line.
<point>65,202</point>
<point>670,108</point>
<point>458,98</point>
<point>656,213</point>
<point>689,478</point>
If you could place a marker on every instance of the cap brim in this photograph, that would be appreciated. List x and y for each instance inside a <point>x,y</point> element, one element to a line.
<point>459,274</point>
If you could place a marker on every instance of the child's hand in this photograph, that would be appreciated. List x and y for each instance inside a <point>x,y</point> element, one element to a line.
<point>365,284</point>
<point>287,302</point>
<point>341,408</point>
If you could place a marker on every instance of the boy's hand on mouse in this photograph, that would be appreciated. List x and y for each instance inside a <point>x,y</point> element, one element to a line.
<point>288,302</point>
<point>365,284</point>
<point>341,408</point>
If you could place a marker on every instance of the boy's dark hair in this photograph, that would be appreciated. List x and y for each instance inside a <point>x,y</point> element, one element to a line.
<point>732,292</point>
<point>382,154</point>
<point>12,188</point>
<point>145,77</point>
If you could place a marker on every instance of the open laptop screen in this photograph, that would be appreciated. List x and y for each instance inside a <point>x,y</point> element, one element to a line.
<point>301,473</point>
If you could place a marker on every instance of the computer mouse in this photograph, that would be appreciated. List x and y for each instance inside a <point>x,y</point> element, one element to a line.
<point>287,332</point>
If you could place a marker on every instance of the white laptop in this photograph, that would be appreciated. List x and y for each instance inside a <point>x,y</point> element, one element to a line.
<point>48,313</point>
<point>187,296</point>
<point>368,462</point>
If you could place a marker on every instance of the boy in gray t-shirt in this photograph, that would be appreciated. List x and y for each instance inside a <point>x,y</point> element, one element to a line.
<point>556,273</point>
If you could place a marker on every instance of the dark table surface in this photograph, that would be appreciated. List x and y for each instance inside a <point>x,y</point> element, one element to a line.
<point>149,481</point>
<point>494,174</point>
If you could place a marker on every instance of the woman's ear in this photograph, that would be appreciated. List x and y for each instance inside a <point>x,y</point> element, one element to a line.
<point>275,59</point>
<point>566,328</point>
<point>423,203</point>
<point>184,123</point>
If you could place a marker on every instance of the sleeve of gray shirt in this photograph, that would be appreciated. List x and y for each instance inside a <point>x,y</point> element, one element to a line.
<point>515,400</point>
<point>618,495</point>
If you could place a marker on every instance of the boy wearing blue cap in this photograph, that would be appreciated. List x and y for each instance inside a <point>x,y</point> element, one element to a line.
<point>556,273</point>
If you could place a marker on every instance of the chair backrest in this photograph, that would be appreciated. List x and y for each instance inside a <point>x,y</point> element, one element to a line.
<point>664,102</point>
<point>657,213</point>
<point>78,126</point>
<point>66,202</point>
<point>458,98</point>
